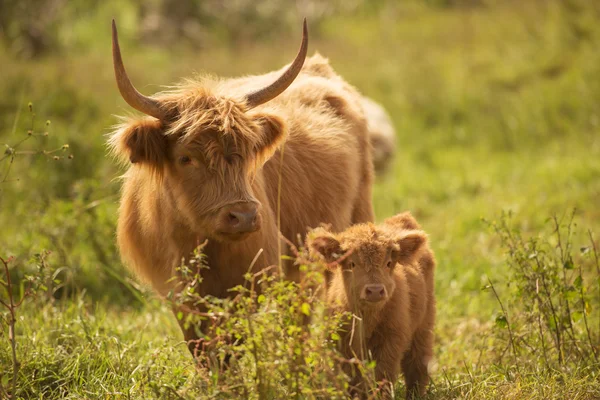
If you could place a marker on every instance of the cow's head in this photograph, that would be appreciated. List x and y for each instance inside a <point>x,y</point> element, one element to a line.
<point>372,254</point>
<point>204,146</point>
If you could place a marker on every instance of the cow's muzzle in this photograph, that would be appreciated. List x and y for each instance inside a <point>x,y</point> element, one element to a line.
<point>238,219</point>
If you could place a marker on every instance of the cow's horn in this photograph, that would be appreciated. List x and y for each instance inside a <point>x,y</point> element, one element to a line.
<point>135,99</point>
<point>276,88</point>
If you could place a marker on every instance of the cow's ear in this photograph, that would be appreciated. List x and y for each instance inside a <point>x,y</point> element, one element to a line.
<point>327,246</point>
<point>403,220</point>
<point>409,245</point>
<point>142,141</point>
<point>273,132</point>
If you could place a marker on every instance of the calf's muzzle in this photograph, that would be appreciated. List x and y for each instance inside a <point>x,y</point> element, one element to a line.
<point>374,293</point>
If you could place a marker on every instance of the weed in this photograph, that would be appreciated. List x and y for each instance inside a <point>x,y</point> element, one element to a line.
<point>552,294</point>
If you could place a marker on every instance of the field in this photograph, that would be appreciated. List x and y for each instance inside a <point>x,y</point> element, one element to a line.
<point>497,110</point>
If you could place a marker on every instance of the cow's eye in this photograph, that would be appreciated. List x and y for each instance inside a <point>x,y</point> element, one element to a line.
<point>184,160</point>
<point>352,265</point>
<point>389,264</point>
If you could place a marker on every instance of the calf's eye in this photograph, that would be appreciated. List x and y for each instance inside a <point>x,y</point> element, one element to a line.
<point>352,265</point>
<point>389,264</point>
<point>184,160</point>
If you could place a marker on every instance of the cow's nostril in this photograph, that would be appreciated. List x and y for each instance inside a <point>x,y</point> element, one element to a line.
<point>382,292</point>
<point>233,219</point>
<point>240,219</point>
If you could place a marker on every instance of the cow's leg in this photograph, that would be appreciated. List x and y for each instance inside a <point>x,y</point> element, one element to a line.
<point>197,345</point>
<point>363,205</point>
<point>189,330</point>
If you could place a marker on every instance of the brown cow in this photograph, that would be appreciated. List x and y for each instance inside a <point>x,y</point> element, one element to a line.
<point>207,162</point>
<point>386,280</point>
<point>382,134</point>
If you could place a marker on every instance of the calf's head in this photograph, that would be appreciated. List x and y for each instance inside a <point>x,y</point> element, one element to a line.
<point>367,256</point>
<point>202,146</point>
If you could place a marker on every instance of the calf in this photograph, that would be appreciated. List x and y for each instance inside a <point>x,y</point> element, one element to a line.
<point>383,274</point>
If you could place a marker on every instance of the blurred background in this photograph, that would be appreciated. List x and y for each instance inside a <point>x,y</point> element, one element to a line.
<point>495,104</point>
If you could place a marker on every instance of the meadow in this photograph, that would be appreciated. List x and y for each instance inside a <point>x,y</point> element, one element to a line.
<point>496,105</point>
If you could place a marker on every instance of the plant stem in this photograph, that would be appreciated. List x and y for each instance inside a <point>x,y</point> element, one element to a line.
<point>597,277</point>
<point>11,326</point>
<point>549,297</point>
<point>510,334</point>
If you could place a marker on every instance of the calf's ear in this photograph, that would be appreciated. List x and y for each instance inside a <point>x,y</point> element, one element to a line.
<point>142,141</point>
<point>327,246</point>
<point>403,220</point>
<point>410,243</point>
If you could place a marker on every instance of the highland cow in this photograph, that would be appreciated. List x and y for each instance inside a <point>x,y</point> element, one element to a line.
<point>382,134</point>
<point>384,277</point>
<point>216,159</point>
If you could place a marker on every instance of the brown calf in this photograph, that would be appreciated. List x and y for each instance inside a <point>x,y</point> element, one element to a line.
<point>386,281</point>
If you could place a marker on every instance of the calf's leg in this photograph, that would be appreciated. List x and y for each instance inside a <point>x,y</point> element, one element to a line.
<point>415,361</point>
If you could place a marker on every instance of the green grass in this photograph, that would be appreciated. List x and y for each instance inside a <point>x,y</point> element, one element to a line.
<point>496,109</point>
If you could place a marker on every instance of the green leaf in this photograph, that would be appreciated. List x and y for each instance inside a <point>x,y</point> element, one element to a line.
<point>335,336</point>
<point>587,308</point>
<point>305,308</point>
<point>571,294</point>
<point>261,298</point>
<point>501,321</point>
<point>569,264</point>
<point>578,282</point>
<point>180,315</point>
<point>552,324</point>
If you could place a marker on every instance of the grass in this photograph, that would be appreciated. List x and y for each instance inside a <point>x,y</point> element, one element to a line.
<point>496,110</point>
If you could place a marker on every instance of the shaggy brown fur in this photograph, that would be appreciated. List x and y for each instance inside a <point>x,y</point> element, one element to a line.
<point>215,152</point>
<point>396,327</point>
<point>382,134</point>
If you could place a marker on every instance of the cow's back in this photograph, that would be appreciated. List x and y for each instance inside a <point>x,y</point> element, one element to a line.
<point>326,168</point>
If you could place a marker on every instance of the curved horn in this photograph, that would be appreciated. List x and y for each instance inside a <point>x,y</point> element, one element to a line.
<point>276,88</point>
<point>135,99</point>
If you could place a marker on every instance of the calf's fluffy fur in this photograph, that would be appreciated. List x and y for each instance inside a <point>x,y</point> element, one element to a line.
<point>383,274</point>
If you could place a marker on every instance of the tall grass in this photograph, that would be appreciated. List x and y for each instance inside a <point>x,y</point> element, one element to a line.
<point>495,105</point>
